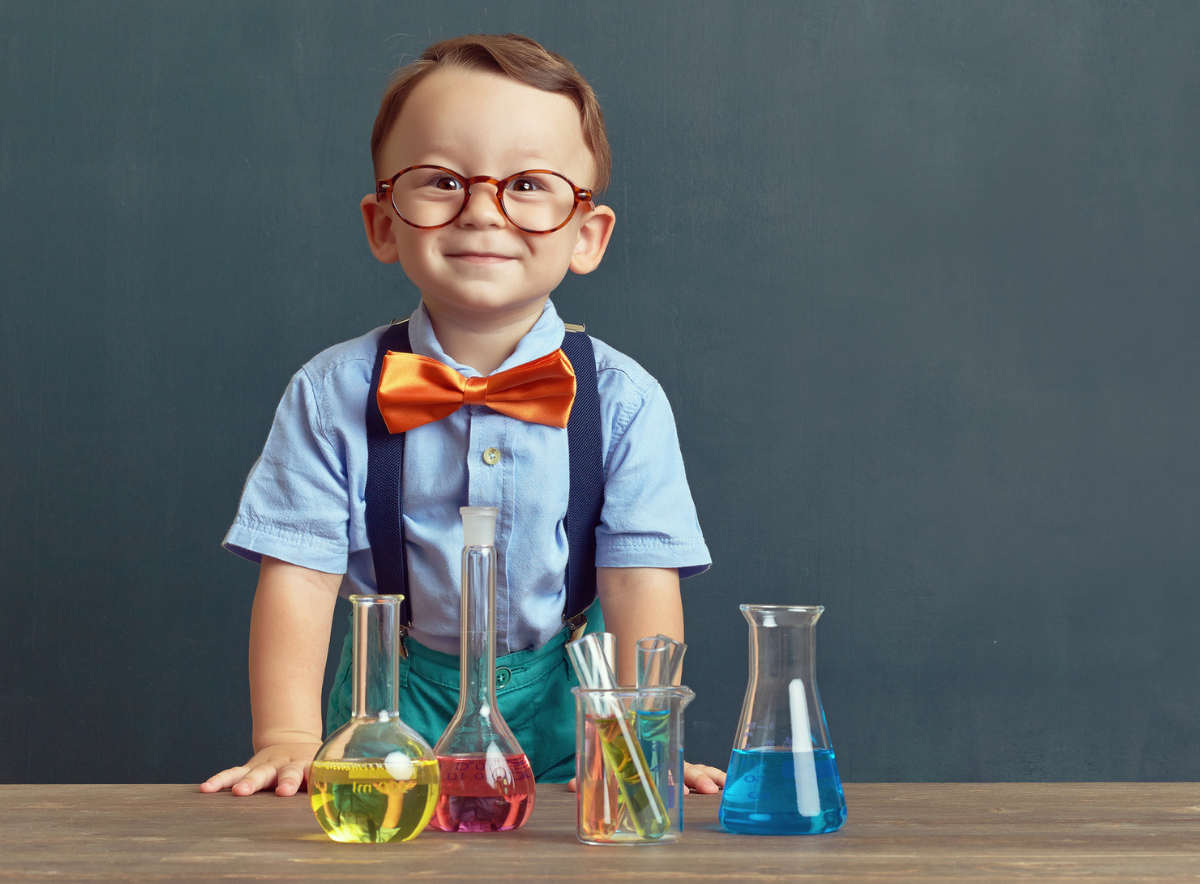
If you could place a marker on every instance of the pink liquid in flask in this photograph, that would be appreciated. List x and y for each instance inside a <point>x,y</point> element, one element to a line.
<point>484,793</point>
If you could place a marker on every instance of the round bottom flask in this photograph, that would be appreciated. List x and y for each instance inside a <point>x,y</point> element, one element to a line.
<point>487,782</point>
<point>374,779</point>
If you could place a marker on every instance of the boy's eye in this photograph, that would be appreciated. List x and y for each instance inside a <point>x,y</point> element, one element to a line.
<point>536,186</point>
<point>425,179</point>
<point>524,185</point>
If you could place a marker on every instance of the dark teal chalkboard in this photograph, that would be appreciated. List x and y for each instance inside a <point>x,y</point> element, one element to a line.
<point>920,279</point>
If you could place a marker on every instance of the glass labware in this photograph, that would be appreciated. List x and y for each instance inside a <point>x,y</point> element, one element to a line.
<point>625,795</point>
<point>374,779</point>
<point>659,665</point>
<point>659,661</point>
<point>782,778</point>
<point>487,781</point>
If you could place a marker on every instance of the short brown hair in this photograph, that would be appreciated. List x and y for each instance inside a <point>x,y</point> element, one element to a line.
<point>515,56</point>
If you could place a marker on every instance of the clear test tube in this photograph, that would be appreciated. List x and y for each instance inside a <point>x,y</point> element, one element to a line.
<point>659,664</point>
<point>659,661</point>
<point>598,807</point>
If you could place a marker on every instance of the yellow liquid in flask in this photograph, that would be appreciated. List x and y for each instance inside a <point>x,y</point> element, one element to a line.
<point>364,801</point>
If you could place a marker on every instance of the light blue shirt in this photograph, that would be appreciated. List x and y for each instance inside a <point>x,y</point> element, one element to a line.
<point>304,499</point>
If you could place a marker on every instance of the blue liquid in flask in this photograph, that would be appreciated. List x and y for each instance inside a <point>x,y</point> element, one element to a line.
<point>762,798</point>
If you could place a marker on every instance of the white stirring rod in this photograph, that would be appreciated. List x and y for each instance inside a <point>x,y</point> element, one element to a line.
<point>808,798</point>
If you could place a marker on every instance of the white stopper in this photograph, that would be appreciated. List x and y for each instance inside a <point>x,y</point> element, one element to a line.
<point>399,766</point>
<point>479,525</point>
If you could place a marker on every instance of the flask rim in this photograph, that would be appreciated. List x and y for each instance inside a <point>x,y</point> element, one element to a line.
<point>373,599</point>
<point>775,609</point>
<point>674,691</point>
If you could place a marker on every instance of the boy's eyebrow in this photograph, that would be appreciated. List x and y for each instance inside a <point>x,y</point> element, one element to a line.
<point>517,162</point>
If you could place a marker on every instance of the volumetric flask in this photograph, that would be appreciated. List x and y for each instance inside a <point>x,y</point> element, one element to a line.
<point>629,764</point>
<point>782,777</point>
<point>487,782</point>
<point>374,779</point>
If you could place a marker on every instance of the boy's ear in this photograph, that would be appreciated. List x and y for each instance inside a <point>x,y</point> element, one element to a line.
<point>380,236</point>
<point>593,240</point>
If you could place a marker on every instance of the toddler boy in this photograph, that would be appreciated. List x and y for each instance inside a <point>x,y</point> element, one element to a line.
<point>488,152</point>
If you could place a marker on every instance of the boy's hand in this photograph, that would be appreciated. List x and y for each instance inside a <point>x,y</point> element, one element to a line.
<point>284,766</point>
<point>289,640</point>
<point>702,778</point>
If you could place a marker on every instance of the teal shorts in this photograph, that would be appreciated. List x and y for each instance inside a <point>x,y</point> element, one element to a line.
<point>533,691</point>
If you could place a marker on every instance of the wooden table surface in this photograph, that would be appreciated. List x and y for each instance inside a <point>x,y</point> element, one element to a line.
<point>895,832</point>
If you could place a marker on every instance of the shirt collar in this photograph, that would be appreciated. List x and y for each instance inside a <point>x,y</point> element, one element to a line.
<point>544,338</point>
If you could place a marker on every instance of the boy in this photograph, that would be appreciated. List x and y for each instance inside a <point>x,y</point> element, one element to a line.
<point>485,253</point>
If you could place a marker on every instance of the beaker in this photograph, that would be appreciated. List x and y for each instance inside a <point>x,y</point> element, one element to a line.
<point>646,804</point>
<point>374,779</point>
<point>487,782</point>
<point>782,777</point>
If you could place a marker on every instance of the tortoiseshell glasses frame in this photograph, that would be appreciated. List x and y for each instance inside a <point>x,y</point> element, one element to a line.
<point>387,187</point>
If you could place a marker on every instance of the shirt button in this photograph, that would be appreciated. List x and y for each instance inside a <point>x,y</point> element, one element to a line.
<point>502,676</point>
<point>491,456</point>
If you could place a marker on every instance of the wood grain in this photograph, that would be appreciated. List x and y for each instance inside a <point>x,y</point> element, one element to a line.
<point>896,832</point>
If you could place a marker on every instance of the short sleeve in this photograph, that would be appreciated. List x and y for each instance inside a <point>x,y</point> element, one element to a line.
<point>649,518</point>
<point>296,502</point>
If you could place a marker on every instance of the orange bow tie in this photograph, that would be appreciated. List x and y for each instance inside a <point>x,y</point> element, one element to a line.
<point>416,390</point>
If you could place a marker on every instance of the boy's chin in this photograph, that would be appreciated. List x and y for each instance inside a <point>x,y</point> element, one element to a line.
<point>483,306</point>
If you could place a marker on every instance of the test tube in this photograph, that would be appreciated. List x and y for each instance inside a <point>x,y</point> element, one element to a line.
<point>659,662</point>
<point>599,808</point>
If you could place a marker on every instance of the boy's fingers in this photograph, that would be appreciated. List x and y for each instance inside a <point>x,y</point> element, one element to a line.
<point>259,776</point>
<point>291,777</point>
<point>703,778</point>
<point>224,779</point>
<point>571,785</point>
<point>286,771</point>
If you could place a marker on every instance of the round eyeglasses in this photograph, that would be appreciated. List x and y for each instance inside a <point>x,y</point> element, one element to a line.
<point>536,200</point>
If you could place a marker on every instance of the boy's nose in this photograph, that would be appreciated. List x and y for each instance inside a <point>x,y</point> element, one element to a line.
<point>483,207</point>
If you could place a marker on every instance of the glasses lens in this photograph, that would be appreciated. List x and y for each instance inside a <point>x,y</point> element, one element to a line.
<point>538,201</point>
<point>427,196</point>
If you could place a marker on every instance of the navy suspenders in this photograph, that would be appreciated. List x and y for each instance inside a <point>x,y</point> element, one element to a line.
<point>385,465</point>
<point>587,479</point>
<point>385,482</point>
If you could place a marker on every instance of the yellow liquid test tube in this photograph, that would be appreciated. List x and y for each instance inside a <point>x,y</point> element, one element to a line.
<point>640,797</point>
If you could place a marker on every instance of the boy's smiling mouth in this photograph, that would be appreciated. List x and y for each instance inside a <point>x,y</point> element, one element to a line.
<point>480,257</point>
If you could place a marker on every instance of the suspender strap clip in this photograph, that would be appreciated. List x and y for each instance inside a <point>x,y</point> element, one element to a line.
<point>577,625</point>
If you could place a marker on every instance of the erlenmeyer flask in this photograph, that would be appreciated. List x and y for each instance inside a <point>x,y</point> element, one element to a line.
<point>374,779</point>
<point>782,777</point>
<point>487,783</point>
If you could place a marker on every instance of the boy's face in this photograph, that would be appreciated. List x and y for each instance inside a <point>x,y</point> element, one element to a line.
<point>480,267</point>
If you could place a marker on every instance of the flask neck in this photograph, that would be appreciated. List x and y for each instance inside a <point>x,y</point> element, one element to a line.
<point>782,653</point>
<point>478,728</point>
<point>782,641</point>
<point>477,660</point>
<point>376,663</point>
